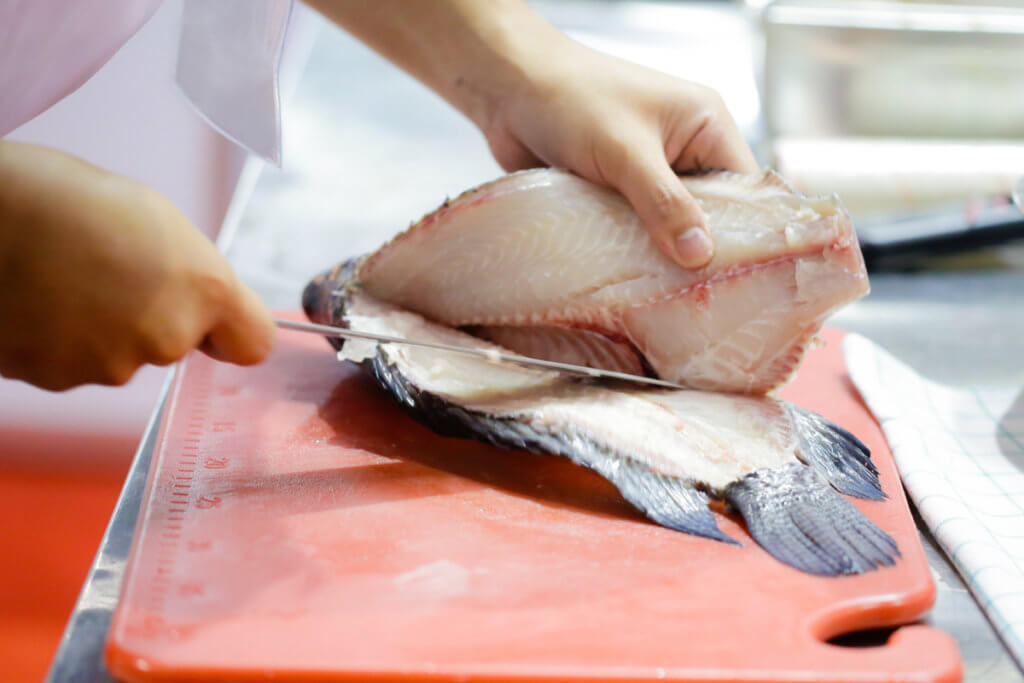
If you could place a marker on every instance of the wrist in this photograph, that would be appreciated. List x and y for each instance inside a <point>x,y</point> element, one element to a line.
<point>518,50</point>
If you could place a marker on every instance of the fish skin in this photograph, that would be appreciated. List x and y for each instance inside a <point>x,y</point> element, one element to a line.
<point>791,505</point>
<point>544,250</point>
<point>670,501</point>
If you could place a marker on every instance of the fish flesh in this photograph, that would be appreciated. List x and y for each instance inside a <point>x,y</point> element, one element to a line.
<point>549,265</point>
<point>669,452</point>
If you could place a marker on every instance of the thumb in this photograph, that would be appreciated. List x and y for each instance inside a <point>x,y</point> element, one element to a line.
<point>244,333</point>
<point>671,215</point>
<point>511,154</point>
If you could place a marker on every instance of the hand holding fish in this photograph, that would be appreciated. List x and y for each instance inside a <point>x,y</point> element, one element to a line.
<point>627,127</point>
<point>99,275</point>
<point>543,99</point>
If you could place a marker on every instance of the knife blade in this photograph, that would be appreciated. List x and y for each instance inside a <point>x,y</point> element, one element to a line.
<point>491,355</point>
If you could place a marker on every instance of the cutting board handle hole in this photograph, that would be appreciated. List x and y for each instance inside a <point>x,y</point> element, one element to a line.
<point>872,637</point>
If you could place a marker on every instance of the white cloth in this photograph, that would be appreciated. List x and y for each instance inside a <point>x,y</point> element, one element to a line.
<point>48,49</point>
<point>228,59</point>
<point>960,453</point>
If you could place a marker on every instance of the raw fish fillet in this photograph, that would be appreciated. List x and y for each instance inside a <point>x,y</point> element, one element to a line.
<point>668,452</point>
<point>550,265</point>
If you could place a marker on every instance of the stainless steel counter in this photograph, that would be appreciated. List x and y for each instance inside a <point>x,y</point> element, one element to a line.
<point>367,149</point>
<point>79,656</point>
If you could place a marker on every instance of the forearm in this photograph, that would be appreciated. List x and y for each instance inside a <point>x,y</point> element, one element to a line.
<point>20,165</point>
<point>36,180</point>
<point>8,211</point>
<point>45,194</point>
<point>541,99</point>
<point>474,53</point>
<point>30,178</point>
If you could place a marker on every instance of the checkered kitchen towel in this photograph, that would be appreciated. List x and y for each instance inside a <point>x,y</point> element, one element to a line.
<point>960,453</point>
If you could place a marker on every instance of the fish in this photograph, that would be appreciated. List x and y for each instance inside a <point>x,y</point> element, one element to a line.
<point>549,265</point>
<point>669,452</point>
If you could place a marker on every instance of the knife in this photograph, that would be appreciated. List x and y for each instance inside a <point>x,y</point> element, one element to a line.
<point>491,355</point>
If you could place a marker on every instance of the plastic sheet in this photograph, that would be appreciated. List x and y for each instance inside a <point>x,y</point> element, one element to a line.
<point>228,60</point>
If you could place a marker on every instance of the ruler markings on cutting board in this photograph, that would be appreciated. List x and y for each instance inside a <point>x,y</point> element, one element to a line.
<point>181,481</point>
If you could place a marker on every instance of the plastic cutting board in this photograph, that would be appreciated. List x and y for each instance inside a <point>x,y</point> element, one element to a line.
<point>297,525</point>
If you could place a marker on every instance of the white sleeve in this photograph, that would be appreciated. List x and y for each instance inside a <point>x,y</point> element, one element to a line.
<point>229,55</point>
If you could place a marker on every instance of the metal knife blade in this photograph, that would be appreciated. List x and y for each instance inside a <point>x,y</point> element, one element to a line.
<point>486,354</point>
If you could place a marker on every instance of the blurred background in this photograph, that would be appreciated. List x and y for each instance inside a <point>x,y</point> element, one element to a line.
<point>912,112</point>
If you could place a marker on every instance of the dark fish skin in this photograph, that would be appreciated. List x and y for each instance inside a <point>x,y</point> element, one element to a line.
<point>323,299</point>
<point>795,512</point>
<point>669,501</point>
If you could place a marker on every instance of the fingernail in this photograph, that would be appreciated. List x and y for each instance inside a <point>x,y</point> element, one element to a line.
<point>694,248</point>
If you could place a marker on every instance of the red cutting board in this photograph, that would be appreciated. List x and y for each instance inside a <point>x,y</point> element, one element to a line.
<point>296,524</point>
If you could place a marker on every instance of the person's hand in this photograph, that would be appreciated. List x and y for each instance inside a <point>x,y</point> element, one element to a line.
<point>543,99</point>
<point>624,126</point>
<point>100,275</point>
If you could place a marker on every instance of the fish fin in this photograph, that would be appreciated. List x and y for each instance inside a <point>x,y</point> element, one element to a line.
<point>670,501</point>
<point>796,516</point>
<point>837,454</point>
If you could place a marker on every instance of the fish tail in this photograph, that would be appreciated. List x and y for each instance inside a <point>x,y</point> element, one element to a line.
<point>795,515</point>
<point>837,454</point>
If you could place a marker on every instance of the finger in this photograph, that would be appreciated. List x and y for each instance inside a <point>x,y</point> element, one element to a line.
<point>718,143</point>
<point>512,155</point>
<point>244,332</point>
<point>672,216</point>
